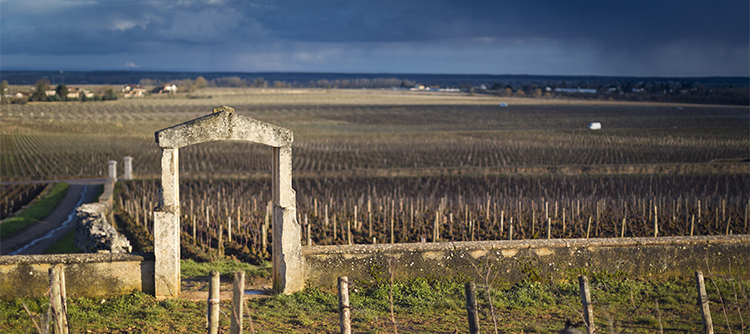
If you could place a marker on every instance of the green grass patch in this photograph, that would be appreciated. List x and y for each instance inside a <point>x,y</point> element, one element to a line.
<point>66,245</point>
<point>421,306</point>
<point>35,212</point>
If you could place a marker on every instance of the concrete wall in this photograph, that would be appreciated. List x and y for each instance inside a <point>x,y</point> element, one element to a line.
<point>86,275</point>
<point>516,260</point>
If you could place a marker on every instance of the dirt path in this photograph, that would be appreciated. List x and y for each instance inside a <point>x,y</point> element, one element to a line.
<point>36,238</point>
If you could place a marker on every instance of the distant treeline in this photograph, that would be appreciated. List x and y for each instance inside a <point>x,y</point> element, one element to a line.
<point>713,90</point>
<point>25,77</point>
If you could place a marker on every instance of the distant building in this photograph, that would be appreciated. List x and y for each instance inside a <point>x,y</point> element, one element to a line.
<point>171,89</point>
<point>134,91</point>
<point>576,90</point>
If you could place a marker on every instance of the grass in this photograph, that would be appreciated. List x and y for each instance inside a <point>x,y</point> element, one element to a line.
<point>35,212</point>
<point>66,245</point>
<point>422,305</point>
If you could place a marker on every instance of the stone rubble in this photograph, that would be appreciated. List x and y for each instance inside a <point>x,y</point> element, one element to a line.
<point>94,233</point>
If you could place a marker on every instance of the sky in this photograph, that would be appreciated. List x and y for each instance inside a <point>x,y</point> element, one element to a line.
<point>543,37</point>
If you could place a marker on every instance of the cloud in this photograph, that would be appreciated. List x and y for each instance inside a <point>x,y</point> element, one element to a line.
<point>665,37</point>
<point>131,65</point>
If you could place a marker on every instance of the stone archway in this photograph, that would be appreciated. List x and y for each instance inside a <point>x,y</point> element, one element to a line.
<point>224,124</point>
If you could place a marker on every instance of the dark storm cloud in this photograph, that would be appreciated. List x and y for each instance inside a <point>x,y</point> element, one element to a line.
<point>610,22</point>
<point>615,32</point>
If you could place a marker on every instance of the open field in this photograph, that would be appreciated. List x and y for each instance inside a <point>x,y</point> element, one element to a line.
<point>365,130</point>
<point>622,305</point>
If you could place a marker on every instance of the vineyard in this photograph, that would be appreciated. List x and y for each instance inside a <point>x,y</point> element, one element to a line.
<point>351,130</point>
<point>216,213</point>
<point>14,196</point>
<point>370,165</point>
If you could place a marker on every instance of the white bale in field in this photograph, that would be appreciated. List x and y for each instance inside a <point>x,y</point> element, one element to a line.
<point>503,104</point>
<point>595,126</point>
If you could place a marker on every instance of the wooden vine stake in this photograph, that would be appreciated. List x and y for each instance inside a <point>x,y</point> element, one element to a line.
<point>344,308</point>
<point>213,303</point>
<point>58,299</point>
<point>656,222</point>
<point>471,307</point>
<point>238,302</point>
<point>708,325</point>
<point>588,308</point>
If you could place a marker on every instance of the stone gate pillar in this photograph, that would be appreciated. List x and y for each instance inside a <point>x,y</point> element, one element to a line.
<point>288,271</point>
<point>167,227</point>
<point>224,124</point>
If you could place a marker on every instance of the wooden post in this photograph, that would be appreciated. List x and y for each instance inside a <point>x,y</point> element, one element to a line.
<point>588,309</point>
<point>692,224</point>
<point>344,309</point>
<point>229,229</point>
<point>656,222</point>
<point>588,229</point>
<point>708,325</point>
<point>213,303</point>
<point>309,237</point>
<point>349,232</point>
<point>264,235</point>
<point>622,232</point>
<point>549,228</point>
<point>238,302</point>
<point>436,227</point>
<point>471,307</point>
<point>510,229</point>
<point>729,223</point>
<point>57,299</point>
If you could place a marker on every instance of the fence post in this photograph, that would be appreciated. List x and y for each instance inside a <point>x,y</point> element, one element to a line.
<point>344,309</point>
<point>471,307</point>
<point>213,303</point>
<point>238,302</point>
<point>708,325</point>
<point>588,309</point>
<point>57,299</point>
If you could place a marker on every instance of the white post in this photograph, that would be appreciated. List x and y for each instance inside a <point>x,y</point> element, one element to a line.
<point>112,169</point>
<point>128,166</point>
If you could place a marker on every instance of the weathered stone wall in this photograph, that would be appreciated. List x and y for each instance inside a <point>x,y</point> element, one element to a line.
<point>545,259</point>
<point>86,275</point>
<point>94,233</point>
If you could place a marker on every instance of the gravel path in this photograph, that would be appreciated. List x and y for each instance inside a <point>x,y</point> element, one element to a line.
<point>36,238</point>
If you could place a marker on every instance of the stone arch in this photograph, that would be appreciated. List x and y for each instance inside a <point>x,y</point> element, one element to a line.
<point>223,125</point>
